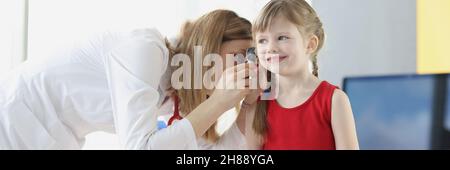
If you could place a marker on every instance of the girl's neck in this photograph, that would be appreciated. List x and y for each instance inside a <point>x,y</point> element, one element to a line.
<point>297,82</point>
<point>296,89</point>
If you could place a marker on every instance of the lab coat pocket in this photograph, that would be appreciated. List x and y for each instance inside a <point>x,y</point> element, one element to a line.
<point>26,129</point>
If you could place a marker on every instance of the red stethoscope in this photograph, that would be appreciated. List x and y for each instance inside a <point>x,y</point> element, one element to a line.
<point>176,112</point>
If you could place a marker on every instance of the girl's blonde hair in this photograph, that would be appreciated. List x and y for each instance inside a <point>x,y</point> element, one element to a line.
<point>209,31</point>
<point>300,13</point>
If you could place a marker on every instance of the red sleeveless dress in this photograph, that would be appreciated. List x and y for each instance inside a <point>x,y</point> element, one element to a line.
<point>304,127</point>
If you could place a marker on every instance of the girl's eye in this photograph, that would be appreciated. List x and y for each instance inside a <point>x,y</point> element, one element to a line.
<point>283,38</point>
<point>262,41</point>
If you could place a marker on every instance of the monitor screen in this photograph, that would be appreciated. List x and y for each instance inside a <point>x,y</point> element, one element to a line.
<point>447,107</point>
<point>392,112</point>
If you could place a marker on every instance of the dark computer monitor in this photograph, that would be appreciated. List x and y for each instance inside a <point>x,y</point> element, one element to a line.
<point>447,107</point>
<point>401,111</point>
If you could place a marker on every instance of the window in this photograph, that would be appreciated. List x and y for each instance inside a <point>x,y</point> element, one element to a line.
<point>13,33</point>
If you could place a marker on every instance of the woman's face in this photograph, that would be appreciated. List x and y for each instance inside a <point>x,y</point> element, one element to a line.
<point>233,47</point>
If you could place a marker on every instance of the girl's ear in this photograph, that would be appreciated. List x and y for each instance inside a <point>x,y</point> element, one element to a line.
<point>312,44</point>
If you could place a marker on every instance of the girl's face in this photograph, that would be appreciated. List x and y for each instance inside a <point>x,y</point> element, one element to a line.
<point>282,49</point>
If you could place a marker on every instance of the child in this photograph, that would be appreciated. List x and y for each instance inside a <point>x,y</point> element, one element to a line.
<point>308,113</point>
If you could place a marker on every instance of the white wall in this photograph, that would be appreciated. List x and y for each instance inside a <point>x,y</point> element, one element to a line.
<point>367,37</point>
<point>55,22</point>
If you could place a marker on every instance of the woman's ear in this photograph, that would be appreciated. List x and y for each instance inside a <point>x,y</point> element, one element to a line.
<point>313,43</point>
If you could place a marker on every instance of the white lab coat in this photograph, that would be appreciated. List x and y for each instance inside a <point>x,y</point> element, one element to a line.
<point>109,84</point>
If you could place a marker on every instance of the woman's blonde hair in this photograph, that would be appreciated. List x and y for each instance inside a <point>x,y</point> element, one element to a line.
<point>300,13</point>
<point>209,31</point>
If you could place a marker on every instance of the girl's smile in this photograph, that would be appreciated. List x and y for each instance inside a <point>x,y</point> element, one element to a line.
<point>276,59</point>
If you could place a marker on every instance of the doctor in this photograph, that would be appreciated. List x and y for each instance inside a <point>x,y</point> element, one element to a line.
<point>111,84</point>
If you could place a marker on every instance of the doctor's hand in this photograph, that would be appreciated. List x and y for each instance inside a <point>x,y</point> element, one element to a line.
<point>227,94</point>
<point>262,84</point>
<point>233,85</point>
<point>252,96</point>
